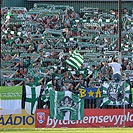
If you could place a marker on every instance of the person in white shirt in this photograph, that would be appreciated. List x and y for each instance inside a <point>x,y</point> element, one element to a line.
<point>117,70</point>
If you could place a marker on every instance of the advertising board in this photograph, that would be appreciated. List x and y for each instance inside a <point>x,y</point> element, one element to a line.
<point>22,120</point>
<point>92,118</point>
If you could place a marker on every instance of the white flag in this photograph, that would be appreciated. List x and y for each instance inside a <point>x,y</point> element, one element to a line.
<point>32,95</point>
<point>116,93</point>
<point>76,60</point>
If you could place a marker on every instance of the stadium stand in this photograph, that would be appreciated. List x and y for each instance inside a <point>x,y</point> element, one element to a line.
<point>36,43</point>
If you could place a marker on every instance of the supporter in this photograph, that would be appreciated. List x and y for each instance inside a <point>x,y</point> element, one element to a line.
<point>66,21</point>
<point>117,70</point>
<point>19,65</point>
<point>55,85</point>
<point>23,71</point>
<point>100,78</point>
<point>17,81</point>
<point>65,86</point>
<point>66,76</point>
<point>108,75</point>
<point>132,13</point>
<point>125,12</point>
<point>7,82</point>
<point>124,64</point>
<point>128,67</point>
<point>91,79</point>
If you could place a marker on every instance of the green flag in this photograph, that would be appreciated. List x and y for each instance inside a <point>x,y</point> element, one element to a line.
<point>9,14</point>
<point>116,93</point>
<point>10,100</point>
<point>76,60</point>
<point>32,95</point>
<point>66,106</point>
<point>45,94</point>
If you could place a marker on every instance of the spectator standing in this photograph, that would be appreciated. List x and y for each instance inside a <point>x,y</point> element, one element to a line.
<point>117,70</point>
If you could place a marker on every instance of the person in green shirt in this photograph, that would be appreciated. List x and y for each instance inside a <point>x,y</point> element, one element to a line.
<point>32,81</point>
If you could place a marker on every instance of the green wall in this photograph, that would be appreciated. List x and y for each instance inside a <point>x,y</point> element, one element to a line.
<point>76,4</point>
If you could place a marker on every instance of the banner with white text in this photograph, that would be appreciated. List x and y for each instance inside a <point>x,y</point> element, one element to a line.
<point>92,118</point>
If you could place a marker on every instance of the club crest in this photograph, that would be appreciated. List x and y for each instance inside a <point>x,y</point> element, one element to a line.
<point>41,117</point>
<point>115,93</point>
<point>67,104</point>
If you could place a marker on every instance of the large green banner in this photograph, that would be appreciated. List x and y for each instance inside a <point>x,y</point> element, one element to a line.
<point>66,105</point>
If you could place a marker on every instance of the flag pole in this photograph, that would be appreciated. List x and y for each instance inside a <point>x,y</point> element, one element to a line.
<point>119,46</point>
<point>119,31</point>
<point>124,101</point>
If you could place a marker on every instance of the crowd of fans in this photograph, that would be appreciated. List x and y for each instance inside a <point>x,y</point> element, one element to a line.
<point>36,43</point>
